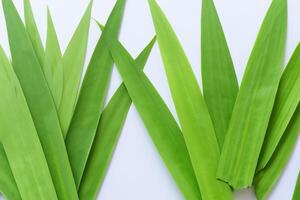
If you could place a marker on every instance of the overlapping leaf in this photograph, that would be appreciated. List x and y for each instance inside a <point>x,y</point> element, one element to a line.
<point>92,97</point>
<point>197,127</point>
<point>72,64</point>
<point>108,132</point>
<point>40,102</point>
<point>53,67</point>
<point>158,120</point>
<point>255,100</point>
<point>20,140</point>
<point>8,186</point>
<point>286,102</point>
<point>220,85</point>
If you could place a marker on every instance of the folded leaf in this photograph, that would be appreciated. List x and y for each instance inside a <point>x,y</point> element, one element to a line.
<point>20,139</point>
<point>268,177</point>
<point>40,103</point>
<point>54,74</point>
<point>220,85</point>
<point>8,186</point>
<point>108,132</point>
<point>296,195</point>
<point>197,127</point>
<point>92,97</point>
<point>72,63</point>
<point>286,102</point>
<point>158,120</point>
<point>255,100</point>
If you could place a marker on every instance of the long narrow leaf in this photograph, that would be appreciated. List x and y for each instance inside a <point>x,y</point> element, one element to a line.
<point>158,120</point>
<point>54,74</point>
<point>92,97</point>
<point>296,195</point>
<point>197,127</point>
<point>72,63</point>
<point>268,177</point>
<point>8,186</point>
<point>286,102</point>
<point>255,100</point>
<point>34,33</point>
<point>40,103</point>
<point>20,139</point>
<point>108,132</point>
<point>220,85</point>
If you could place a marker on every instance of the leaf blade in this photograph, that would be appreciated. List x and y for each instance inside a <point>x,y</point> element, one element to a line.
<point>200,138</point>
<point>109,129</point>
<point>255,100</point>
<point>92,97</point>
<point>72,64</point>
<point>217,71</point>
<point>40,103</point>
<point>286,102</point>
<point>20,140</point>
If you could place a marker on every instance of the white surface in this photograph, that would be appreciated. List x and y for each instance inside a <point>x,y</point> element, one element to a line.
<point>137,171</point>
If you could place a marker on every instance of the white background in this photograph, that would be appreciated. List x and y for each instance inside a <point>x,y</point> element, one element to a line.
<point>137,172</point>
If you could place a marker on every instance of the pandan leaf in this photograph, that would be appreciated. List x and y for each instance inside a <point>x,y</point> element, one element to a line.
<point>286,102</point>
<point>40,103</point>
<point>54,74</point>
<point>197,127</point>
<point>110,126</point>
<point>255,100</point>
<point>296,195</point>
<point>20,139</point>
<point>34,33</point>
<point>8,186</point>
<point>220,85</point>
<point>92,97</point>
<point>72,63</point>
<point>158,120</point>
<point>266,179</point>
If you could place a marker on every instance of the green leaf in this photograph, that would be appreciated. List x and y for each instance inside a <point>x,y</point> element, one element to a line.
<point>20,139</point>
<point>220,85</point>
<point>40,103</point>
<point>54,74</point>
<point>8,186</point>
<point>92,97</point>
<point>255,100</point>
<point>33,33</point>
<point>286,102</point>
<point>158,120</point>
<point>106,139</point>
<point>268,177</point>
<point>296,195</point>
<point>72,63</point>
<point>197,127</point>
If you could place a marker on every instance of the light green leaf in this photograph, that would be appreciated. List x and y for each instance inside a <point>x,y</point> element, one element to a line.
<point>72,63</point>
<point>106,139</point>
<point>8,186</point>
<point>197,127</point>
<point>20,139</point>
<point>40,103</point>
<point>286,102</point>
<point>158,120</point>
<point>255,100</point>
<point>296,195</point>
<point>33,33</point>
<point>220,85</point>
<point>92,97</point>
<point>268,177</point>
<point>54,74</point>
